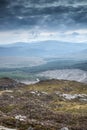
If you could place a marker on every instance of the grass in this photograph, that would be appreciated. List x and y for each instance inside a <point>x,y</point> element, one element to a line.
<point>44,109</point>
<point>62,86</point>
<point>17,75</point>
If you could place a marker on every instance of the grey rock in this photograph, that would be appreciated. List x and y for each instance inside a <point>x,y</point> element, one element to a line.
<point>30,128</point>
<point>64,128</point>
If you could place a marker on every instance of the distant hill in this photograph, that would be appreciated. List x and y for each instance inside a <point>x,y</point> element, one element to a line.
<point>42,49</point>
<point>82,66</point>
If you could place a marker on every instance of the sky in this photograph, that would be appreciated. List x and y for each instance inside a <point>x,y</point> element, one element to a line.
<point>39,20</point>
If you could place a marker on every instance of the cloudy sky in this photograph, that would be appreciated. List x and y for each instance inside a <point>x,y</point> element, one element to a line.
<point>38,20</point>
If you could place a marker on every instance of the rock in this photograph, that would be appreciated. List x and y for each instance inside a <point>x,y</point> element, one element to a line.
<point>64,128</point>
<point>8,83</point>
<point>30,128</point>
<point>5,128</point>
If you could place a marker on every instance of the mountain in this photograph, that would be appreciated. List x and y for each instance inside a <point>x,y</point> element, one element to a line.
<point>47,105</point>
<point>81,66</point>
<point>7,83</point>
<point>42,49</point>
<point>82,54</point>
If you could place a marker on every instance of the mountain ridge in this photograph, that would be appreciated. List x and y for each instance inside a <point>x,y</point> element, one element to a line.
<point>42,49</point>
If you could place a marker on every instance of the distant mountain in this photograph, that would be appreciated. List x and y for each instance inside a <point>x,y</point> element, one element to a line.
<point>42,49</point>
<point>81,66</point>
<point>82,54</point>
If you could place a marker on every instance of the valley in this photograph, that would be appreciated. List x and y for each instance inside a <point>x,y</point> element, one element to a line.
<point>51,69</point>
<point>43,64</point>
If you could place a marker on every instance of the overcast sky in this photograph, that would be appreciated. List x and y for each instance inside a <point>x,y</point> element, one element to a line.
<point>38,20</point>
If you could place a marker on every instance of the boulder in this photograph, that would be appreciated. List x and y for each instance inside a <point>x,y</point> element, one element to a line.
<point>64,128</point>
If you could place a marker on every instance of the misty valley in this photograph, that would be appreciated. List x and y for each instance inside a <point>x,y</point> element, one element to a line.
<point>20,63</point>
<point>33,72</point>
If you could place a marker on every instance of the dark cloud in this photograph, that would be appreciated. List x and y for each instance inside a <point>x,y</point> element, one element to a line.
<point>49,14</point>
<point>4,3</point>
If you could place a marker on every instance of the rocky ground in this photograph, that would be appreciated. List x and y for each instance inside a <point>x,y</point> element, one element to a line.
<point>47,105</point>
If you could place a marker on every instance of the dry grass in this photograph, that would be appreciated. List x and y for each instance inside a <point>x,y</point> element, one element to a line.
<point>43,108</point>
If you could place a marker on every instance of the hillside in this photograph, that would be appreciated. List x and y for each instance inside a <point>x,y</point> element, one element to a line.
<point>7,83</point>
<point>47,105</point>
<point>44,49</point>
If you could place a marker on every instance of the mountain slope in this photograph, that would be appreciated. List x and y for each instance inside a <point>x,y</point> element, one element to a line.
<point>81,65</point>
<point>7,83</point>
<point>42,49</point>
<point>50,104</point>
